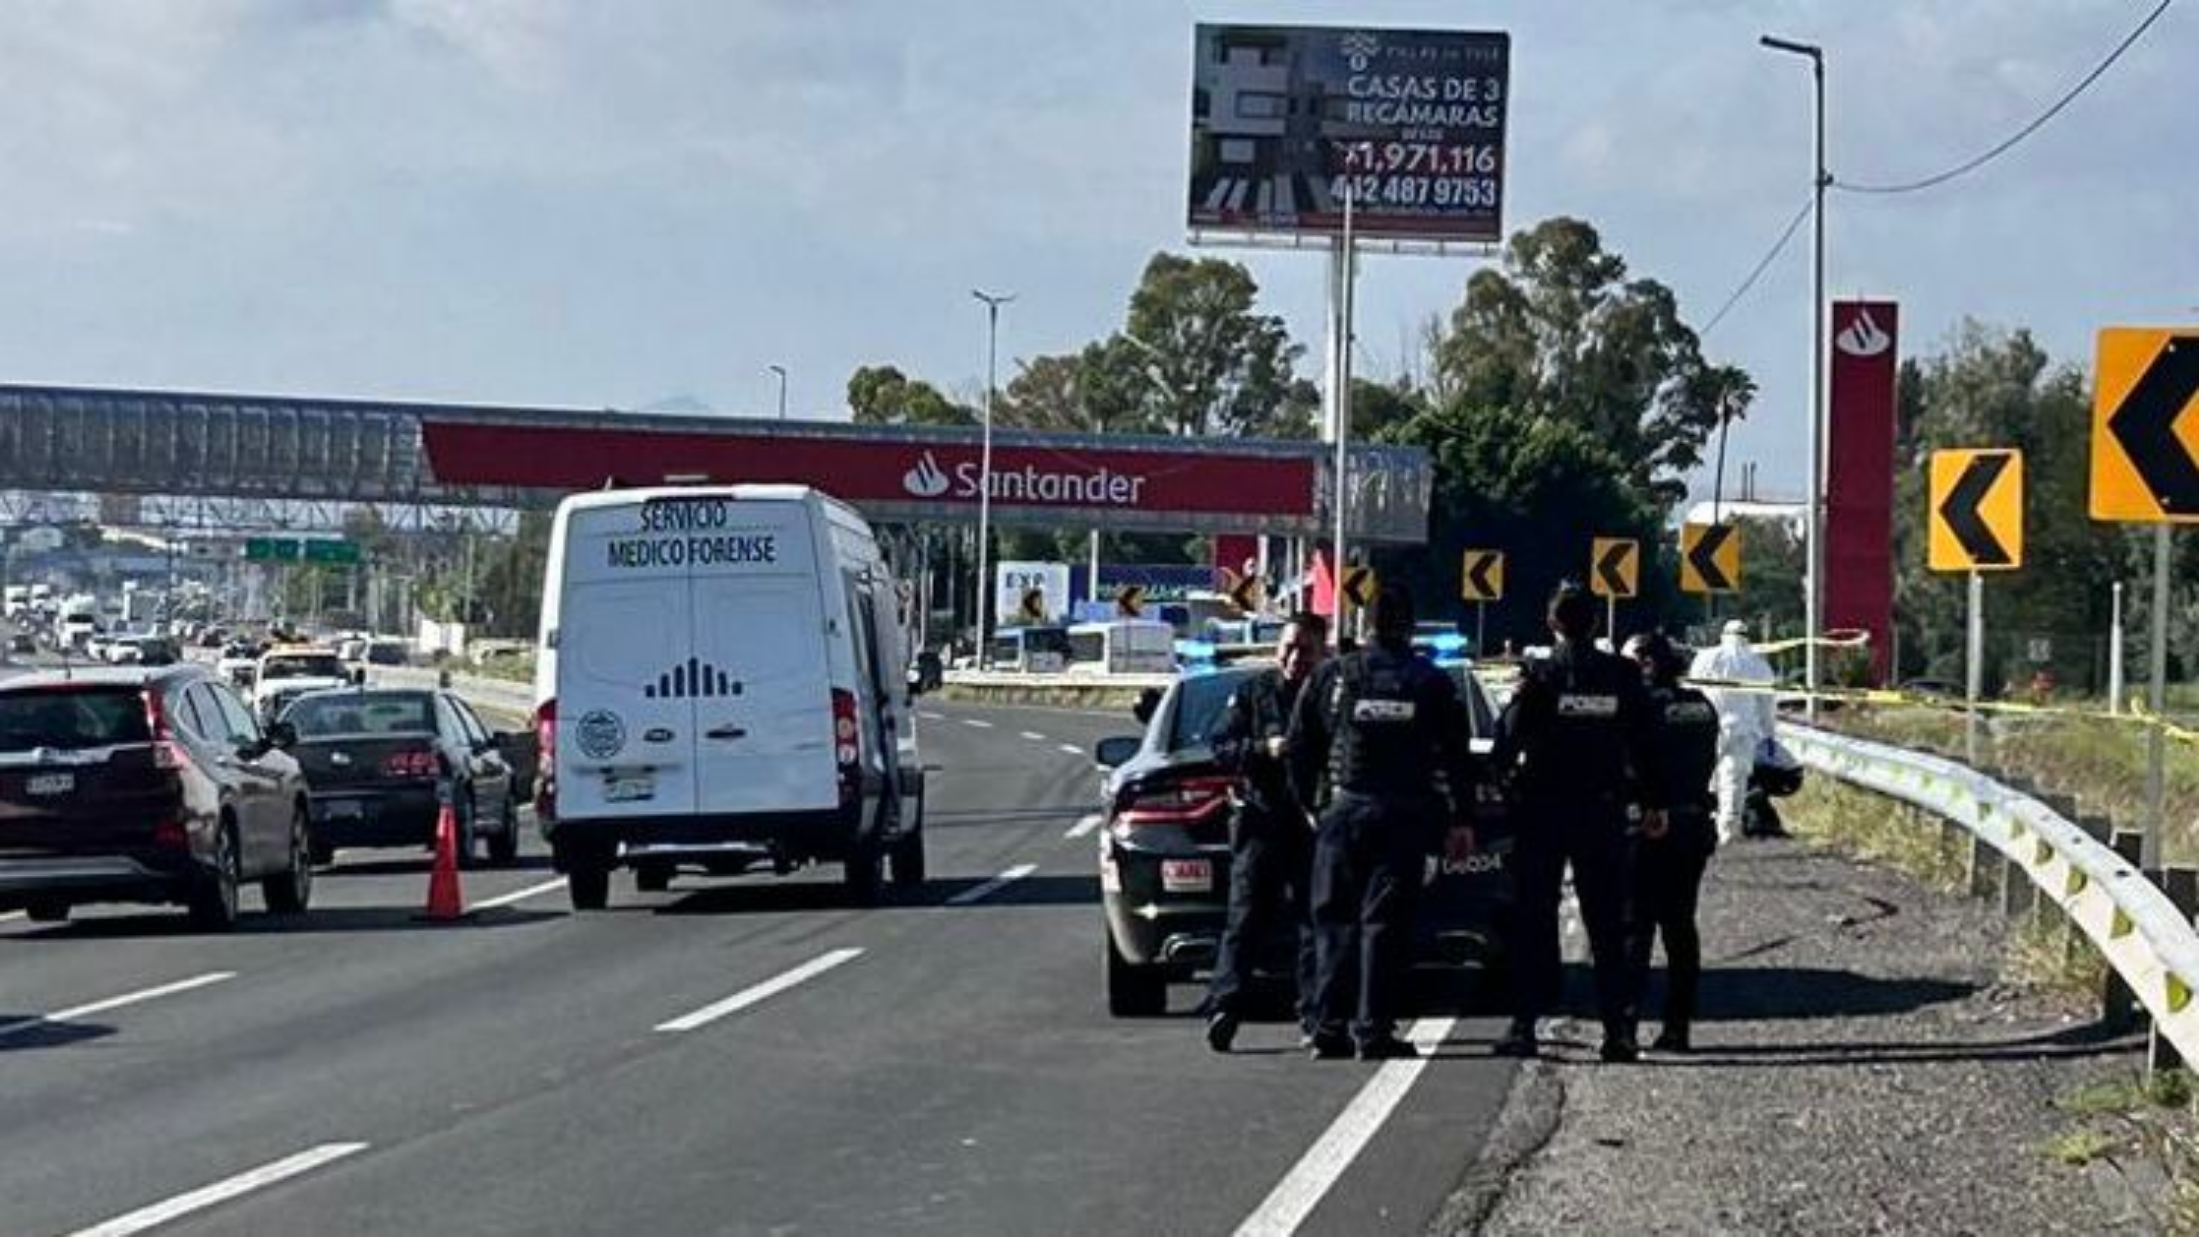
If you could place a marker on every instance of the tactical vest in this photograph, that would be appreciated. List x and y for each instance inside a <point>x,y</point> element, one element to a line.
<point>1378,743</point>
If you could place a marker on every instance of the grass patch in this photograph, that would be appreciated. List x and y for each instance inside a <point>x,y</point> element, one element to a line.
<point>2133,1117</point>
<point>2040,956</point>
<point>1878,830</point>
<point>2079,1147</point>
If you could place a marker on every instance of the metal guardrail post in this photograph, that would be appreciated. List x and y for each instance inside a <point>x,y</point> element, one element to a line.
<point>2182,887</point>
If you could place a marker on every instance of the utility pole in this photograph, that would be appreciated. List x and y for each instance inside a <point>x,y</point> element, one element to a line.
<point>1814,584</point>
<point>992,303</point>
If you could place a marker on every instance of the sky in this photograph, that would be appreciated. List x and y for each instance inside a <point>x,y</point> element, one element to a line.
<point>595,204</point>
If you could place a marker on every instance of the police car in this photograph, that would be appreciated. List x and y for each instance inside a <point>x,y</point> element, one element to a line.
<point>1164,852</point>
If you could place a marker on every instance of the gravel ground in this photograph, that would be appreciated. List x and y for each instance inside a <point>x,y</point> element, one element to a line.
<point>1860,1068</point>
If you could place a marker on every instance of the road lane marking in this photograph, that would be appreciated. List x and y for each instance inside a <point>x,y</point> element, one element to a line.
<point>1309,1181</point>
<point>977,723</point>
<point>761,992</point>
<point>1084,826</point>
<point>1072,749</point>
<point>1034,736</point>
<point>931,717</point>
<point>506,899</point>
<point>981,892</point>
<point>222,1191</point>
<point>114,1002</point>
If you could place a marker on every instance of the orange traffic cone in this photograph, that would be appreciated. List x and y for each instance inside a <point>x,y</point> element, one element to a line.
<point>445,902</point>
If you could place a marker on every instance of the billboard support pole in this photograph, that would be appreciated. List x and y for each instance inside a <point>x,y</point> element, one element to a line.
<point>1342,276</point>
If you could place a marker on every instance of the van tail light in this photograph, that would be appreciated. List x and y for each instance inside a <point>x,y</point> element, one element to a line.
<point>545,742</point>
<point>1186,802</point>
<point>412,762</point>
<point>847,753</point>
<point>167,752</point>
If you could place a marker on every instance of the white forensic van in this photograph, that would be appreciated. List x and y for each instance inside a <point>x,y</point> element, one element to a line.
<point>719,687</point>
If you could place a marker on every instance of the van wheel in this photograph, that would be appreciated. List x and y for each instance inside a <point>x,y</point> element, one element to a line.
<point>213,897</point>
<point>589,882</point>
<point>287,892</point>
<point>1133,991</point>
<point>652,879</point>
<point>864,873</point>
<point>45,910</point>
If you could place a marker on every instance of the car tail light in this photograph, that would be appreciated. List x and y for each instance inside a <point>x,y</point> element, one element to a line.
<point>167,752</point>
<point>169,835</point>
<point>545,742</point>
<point>846,752</point>
<point>1185,802</point>
<point>414,762</point>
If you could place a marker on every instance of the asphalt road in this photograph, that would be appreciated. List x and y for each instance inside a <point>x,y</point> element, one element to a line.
<point>732,1056</point>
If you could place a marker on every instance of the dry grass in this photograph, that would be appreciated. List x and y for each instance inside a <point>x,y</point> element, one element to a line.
<point>2131,1116</point>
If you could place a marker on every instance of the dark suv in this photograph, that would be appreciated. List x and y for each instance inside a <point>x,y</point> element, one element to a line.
<point>1164,853</point>
<point>146,785</point>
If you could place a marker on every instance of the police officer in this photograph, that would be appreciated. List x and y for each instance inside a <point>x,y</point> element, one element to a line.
<point>1576,729</point>
<point>1271,850</point>
<point>1373,735</point>
<point>1669,862</point>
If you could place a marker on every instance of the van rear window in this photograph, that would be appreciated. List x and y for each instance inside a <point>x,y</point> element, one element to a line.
<point>71,720</point>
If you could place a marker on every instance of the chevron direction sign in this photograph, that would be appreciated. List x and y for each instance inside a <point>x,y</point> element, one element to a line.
<point>1976,511</point>
<point>2145,427</point>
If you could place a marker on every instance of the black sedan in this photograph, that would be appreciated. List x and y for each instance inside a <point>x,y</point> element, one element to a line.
<point>1164,852</point>
<point>146,785</point>
<point>382,763</point>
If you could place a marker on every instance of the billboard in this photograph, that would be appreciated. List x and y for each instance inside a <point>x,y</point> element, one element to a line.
<point>1859,475</point>
<point>1013,582</point>
<point>939,479</point>
<point>1287,121</point>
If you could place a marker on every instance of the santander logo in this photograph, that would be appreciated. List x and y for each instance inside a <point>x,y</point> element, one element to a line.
<point>926,480</point>
<point>1863,338</point>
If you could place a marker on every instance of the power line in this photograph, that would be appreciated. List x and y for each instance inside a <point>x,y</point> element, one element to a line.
<point>2037,123</point>
<point>1763,264</point>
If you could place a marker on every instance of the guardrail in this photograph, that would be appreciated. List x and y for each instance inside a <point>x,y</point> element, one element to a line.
<point>2135,925</point>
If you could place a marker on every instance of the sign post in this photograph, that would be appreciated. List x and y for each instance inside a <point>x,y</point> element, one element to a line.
<point>2145,470</point>
<point>1976,526</point>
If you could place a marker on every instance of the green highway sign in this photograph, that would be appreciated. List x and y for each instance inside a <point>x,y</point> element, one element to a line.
<point>307,550</point>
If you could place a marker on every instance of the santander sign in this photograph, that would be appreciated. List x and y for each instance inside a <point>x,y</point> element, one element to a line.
<point>1101,487</point>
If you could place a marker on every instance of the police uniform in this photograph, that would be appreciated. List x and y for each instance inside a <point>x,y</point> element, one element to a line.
<point>1578,728</point>
<point>1271,849</point>
<point>1373,735</point>
<point>1668,871</point>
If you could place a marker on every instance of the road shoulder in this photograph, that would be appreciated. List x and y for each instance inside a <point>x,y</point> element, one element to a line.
<point>1862,1066</point>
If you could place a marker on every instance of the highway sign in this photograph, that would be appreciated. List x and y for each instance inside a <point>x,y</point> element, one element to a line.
<point>1360,586</point>
<point>1033,609</point>
<point>1615,567</point>
<point>272,550</point>
<point>2145,431</point>
<point>1976,512</point>
<point>1130,600</point>
<point>324,550</point>
<point>1481,575</point>
<point>1710,558</point>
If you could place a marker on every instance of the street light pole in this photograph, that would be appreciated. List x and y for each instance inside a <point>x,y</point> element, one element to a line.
<point>1814,586</point>
<point>780,370</point>
<point>992,305</point>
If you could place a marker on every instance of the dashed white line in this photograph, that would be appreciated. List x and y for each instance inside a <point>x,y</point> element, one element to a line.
<point>977,724</point>
<point>1072,749</point>
<point>222,1191</point>
<point>1084,826</point>
<point>761,992</point>
<point>931,717</point>
<point>1034,736</point>
<point>978,893</point>
<point>115,1002</point>
<point>1309,1181</point>
<point>521,895</point>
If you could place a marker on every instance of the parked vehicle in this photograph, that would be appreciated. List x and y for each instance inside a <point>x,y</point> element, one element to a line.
<point>1124,646</point>
<point>719,686</point>
<point>239,662</point>
<point>380,765</point>
<point>1030,650</point>
<point>146,785</point>
<point>1164,853</point>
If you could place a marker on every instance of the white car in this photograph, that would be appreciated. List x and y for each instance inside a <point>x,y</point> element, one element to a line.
<point>284,674</point>
<point>719,687</point>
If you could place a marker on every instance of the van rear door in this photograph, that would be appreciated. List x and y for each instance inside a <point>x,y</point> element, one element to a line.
<point>625,641</point>
<point>764,711</point>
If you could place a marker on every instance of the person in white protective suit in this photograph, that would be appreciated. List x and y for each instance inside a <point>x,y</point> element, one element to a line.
<point>1745,719</point>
